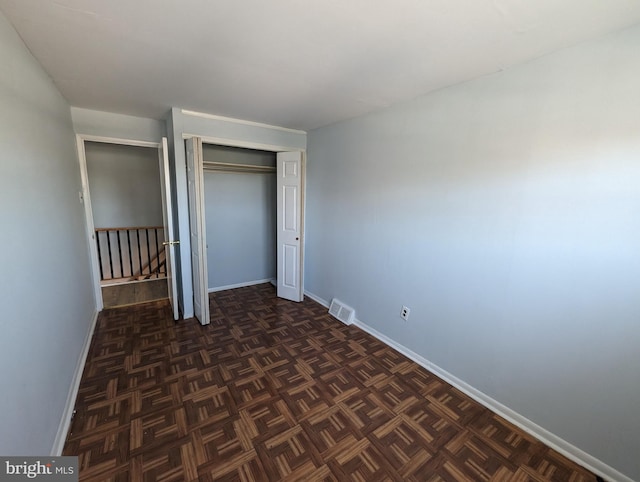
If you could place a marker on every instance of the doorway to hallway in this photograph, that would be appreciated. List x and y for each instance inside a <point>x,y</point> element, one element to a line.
<point>125,187</point>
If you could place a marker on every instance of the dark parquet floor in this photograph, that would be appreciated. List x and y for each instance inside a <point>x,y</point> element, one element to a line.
<point>275,390</point>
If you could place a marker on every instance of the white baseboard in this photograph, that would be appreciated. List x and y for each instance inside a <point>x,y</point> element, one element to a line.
<point>240,285</point>
<point>317,299</point>
<point>558,444</point>
<point>65,421</point>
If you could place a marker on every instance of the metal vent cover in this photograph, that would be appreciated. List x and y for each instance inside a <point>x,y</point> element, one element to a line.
<point>342,312</point>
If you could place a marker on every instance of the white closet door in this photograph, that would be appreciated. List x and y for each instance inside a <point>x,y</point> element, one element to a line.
<point>197,230</point>
<point>167,217</point>
<point>289,225</point>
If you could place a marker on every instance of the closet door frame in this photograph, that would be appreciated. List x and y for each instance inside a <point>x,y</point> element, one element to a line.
<point>219,141</point>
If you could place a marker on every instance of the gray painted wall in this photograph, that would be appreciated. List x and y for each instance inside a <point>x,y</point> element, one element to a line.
<point>45,289</point>
<point>505,212</point>
<point>124,182</point>
<point>119,126</point>
<point>241,218</point>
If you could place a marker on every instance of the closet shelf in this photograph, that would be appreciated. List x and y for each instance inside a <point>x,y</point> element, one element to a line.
<point>231,167</point>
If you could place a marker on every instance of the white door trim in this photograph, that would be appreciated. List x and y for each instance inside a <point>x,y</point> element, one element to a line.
<point>233,120</point>
<point>117,140</point>
<point>86,200</point>
<point>221,141</point>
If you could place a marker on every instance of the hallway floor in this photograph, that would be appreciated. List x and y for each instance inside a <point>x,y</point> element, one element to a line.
<point>125,294</point>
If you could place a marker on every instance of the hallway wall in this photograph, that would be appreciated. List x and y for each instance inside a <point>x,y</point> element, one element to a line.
<point>125,185</point>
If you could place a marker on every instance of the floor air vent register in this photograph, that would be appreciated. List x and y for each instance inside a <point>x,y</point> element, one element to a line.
<point>342,312</point>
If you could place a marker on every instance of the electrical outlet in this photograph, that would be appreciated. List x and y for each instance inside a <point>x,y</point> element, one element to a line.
<point>404,313</point>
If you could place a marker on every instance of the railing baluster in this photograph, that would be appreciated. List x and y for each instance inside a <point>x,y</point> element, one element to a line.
<point>110,260</point>
<point>139,250</point>
<point>164,270</point>
<point>157,270</point>
<point>120,254</point>
<point>148,250</point>
<point>129,248</point>
<point>160,267</point>
<point>99,255</point>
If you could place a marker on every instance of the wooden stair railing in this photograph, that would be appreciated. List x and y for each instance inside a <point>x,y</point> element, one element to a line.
<point>152,268</point>
<point>130,253</point>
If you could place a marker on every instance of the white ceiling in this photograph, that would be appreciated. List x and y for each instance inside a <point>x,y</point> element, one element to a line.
<point>293,63</point>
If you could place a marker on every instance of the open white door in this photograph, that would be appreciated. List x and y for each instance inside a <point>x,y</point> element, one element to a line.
<point>167,218</point>
<point>197,230</point>
<point>289,225</point>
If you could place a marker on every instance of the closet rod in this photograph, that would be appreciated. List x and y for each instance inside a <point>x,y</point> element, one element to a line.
<point>231,167</point>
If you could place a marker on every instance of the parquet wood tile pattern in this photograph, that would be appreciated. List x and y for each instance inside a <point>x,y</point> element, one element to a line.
<point>274,390</point>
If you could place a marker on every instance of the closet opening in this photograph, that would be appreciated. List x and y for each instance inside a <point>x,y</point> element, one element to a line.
<point>240,216</point>
<point>245,219</point>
